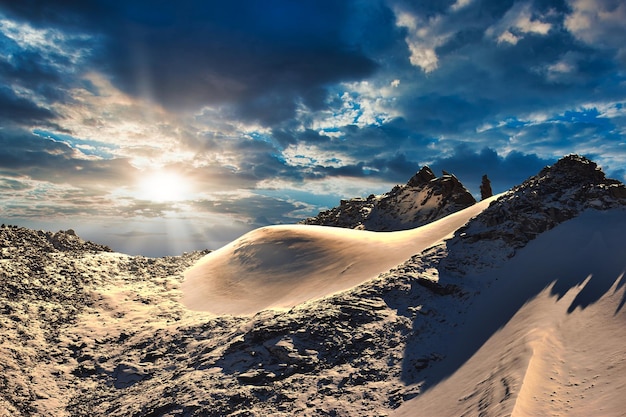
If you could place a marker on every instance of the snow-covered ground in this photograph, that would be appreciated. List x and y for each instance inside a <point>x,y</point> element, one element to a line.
<point>547,337</point>
<point>512,309</point>
<point>282,266</point>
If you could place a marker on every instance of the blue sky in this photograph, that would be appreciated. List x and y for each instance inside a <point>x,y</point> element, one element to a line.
<point>159,127</point>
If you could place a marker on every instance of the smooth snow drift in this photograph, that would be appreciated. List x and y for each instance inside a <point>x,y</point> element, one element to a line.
<point>282,266</point>
<point>549,332</point>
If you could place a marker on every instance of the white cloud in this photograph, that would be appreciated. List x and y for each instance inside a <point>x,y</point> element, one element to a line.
<point>460,4</point>
<point>146,134</point>
<point>599,23</point>
<point>508,37</point>
<point>304,155</point>
<point>363,104</point>
<point>50,43</point>
<point>343,187</point>
<point>423,56</point>
<point>423,37</point>
<point>518,21</point>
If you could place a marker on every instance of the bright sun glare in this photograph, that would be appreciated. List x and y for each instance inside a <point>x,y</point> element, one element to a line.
<point>162,186</point>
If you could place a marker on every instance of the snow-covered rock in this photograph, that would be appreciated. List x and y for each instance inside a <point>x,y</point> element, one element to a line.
<point>425,198</point>
<point>556,194</point>
<point>518,313</point>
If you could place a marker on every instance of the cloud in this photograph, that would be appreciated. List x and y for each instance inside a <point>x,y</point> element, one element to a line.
<point>422,37</point>
<point>599,23</point>
<point>519,20</point>
<point>34,67</point>
<point>469,166</point>
<point>240,54</point>
<point>18,110</point>
<point>253,209</point>
<point>26,154</point>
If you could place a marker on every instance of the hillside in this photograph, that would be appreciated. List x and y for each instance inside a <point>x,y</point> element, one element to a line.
<point>512,306</point>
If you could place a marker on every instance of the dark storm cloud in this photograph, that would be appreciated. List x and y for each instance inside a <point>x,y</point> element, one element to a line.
<point>503,171</point>
<point>285,136</point>
<point>18,110</point>
<point>395,169</point>
<point>260,57</point>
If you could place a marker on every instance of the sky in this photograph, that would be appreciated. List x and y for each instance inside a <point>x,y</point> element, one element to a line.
<point>159,127</point>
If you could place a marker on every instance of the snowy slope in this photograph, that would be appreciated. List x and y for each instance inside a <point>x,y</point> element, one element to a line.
<point>282,266</point>
<point>549,331</point>
<point>518,311</point>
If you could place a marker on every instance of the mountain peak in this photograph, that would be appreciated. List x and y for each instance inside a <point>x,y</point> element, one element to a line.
<point>422,177</point>
<point>575,178</point>
<point>423,199</point>
<point>556,194</point>
<point>574,167</point>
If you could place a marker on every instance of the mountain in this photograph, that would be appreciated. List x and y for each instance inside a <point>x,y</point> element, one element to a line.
<point>556,194</point>
<point>512,306</point>
<point>424,198</point>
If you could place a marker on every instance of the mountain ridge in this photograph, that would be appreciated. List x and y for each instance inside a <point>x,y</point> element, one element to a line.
<point>556,194</point>
<point>88,332</point>
<point>423,199</point>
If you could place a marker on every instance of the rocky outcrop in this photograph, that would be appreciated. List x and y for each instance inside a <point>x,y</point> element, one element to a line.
<point>425,198</point>
<point>47,281</point>
<point>556,194</point>
<point>15,237</point>
<point>485,188</point>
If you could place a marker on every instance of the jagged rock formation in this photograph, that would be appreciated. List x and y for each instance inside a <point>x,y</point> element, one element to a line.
<point>485,188</point>
<point>423,199</point>
<point>556,194</point>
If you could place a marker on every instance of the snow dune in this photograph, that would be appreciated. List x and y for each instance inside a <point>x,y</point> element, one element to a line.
<point>282,266</point>
<point>547,338</point>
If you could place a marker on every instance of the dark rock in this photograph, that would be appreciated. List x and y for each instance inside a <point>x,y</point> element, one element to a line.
<point>485,188</point>
<point>425,198</point>
<point>423,177</point>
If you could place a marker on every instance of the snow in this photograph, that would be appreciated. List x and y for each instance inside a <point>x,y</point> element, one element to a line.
<point>282,266</point>
<point>329,322</point>
<point>547,337</point>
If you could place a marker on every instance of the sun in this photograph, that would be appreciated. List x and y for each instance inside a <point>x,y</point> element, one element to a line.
<point>163,186</point>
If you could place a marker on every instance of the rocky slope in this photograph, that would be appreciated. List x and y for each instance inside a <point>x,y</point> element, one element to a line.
<point>556,194</point>
<point>49,283</point>
<point>87,332</point>
<point>423,199</point>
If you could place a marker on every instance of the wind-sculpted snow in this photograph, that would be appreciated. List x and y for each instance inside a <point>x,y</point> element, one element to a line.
<point>546,336</point>
<point>282,266</point>
<point>519,313</point>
